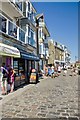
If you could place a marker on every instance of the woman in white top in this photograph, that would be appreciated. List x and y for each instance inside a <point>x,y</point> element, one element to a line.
<point>59,69</point>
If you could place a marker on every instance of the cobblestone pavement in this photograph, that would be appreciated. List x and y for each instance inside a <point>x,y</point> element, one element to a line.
<point>50,98</point>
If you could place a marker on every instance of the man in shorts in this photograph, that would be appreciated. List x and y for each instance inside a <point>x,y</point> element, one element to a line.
<point>4,79</point>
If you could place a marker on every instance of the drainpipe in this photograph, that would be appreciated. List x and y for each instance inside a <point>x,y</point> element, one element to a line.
<point>37,26</point>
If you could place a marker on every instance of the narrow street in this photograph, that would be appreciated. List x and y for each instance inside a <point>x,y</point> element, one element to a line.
<point>50,98</point>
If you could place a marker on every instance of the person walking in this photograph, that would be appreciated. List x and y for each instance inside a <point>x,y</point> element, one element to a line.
<point>65,70</point>
<point>11,78</point>
<point>49,71</point>
<point>52,70</point>
<point>4,79</point>
<point>59,69</point>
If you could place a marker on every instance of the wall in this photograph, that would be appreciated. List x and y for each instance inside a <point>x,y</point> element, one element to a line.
<point>51,52</point>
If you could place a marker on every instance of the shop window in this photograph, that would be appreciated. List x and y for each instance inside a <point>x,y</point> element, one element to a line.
<point>33,64</point>
<point>21,67</point>
<point>29,66</point>
<point>15,66</point>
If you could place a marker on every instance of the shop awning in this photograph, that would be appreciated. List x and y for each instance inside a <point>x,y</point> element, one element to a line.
<point>6,50</point>
<point>29,56</point>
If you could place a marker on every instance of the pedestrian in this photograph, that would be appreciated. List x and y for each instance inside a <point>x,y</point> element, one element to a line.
<point>11,78</point>
<point>46,70</point>
<point>52,70</point>
<point>4,79</point>
<point>1,76</point>
<point>65,71</point>
<point>59,69</point>
<point>49,71</point>
<point>56,71</point>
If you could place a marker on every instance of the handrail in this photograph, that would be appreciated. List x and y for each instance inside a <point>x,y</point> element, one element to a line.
<point>12,22</point>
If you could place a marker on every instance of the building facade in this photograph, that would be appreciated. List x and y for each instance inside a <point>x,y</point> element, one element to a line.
<point>58,53</point>
<point>18,40</point>
<point>42,36</point>
<point>67,55</point>
<point>51,52</point>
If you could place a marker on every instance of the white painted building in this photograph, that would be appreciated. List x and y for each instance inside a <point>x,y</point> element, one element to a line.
<point>18,40</point>
<point>67,55</point>
<point>43,35</point>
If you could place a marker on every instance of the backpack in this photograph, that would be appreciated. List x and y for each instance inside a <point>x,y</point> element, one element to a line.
<point>4,73</point>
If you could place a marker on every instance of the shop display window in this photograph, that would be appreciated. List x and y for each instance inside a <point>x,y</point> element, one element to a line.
<point>19,67</point>
<point>16,67</point>
<point>22,69</point>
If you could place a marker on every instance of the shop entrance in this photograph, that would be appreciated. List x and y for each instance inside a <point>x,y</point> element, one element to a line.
<point>30,65</point>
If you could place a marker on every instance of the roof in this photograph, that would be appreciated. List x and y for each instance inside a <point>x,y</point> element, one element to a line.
<point>39,15</point>
<point>46,29</point>
<point>32,6</point>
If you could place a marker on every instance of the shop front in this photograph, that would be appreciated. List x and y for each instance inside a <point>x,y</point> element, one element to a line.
<point>7,53</point>
<point>21,62</point>
<point>31,60</point>
<point>22,67</point>
<point>19,68</point>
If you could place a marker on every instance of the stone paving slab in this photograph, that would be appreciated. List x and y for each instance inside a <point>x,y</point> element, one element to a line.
<point>51,98</point>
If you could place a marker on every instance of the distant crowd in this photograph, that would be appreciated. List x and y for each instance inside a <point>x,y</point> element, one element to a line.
<point>55,70</point>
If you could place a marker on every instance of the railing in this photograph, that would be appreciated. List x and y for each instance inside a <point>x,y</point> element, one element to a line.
<point>11,29</point>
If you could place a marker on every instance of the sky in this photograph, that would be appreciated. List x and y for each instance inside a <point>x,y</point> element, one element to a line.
<point>62,22</point>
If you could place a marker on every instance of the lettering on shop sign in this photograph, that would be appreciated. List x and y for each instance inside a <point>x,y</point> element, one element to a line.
<point>8,50</point>
<point>30,56</point>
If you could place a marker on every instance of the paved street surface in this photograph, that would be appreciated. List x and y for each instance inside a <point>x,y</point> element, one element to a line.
<point>50,98</point>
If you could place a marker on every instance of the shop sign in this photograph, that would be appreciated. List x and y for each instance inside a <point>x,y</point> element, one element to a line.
<point>28,56</point>
<point>7,50</point>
